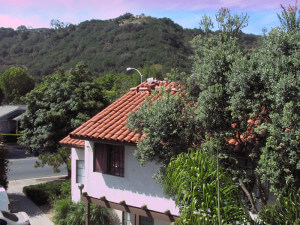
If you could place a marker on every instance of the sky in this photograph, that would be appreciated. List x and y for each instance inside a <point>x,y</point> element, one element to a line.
<point>187,13</point>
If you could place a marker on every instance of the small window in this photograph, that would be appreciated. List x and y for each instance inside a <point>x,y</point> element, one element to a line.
<point>80,171</point>
<point>109,159</point>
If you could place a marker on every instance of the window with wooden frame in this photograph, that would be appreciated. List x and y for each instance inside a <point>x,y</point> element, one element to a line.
<point>109,159</point>
<point>80,171</point>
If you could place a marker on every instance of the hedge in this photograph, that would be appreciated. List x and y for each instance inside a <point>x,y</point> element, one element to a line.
<point>44,193</point>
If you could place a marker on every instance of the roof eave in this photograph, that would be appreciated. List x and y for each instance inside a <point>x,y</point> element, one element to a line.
<point>103,141</point>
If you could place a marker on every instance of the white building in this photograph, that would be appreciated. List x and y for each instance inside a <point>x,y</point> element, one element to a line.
<point>103,161</point>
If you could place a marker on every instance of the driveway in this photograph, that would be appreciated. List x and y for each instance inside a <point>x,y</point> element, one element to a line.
<point>19,202</point>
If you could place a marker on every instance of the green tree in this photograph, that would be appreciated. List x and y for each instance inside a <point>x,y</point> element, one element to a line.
<point>56,24</point>
<point>247,101</point>
<point>56,159</point>
<point>57,106</point>
<point>115,85</point>
<point>203,191</point>
<point>277,62</point>
<point>3,164</point>
<point>167,125</point>
<point>15,83</point>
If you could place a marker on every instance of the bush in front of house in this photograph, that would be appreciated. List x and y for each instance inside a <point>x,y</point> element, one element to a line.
<point>44,193</point>
<point>72,213</point>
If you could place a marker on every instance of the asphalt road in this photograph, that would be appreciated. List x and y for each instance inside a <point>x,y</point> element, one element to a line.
<point>24,169</point>
<point>22,166</point>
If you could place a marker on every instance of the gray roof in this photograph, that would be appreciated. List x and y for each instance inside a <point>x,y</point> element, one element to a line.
<point>11,111</point>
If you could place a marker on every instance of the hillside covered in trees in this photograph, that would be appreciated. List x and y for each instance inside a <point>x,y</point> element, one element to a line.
<point>106,46</point>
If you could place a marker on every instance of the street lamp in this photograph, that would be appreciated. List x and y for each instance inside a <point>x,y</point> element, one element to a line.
<point>129,68</point>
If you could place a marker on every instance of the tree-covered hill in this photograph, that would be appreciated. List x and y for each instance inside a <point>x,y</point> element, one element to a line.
<point>105,46</point>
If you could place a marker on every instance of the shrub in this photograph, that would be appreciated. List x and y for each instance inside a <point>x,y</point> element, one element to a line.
<point>3,164</point>
<point>66,189</point>
<point>44,193</point>
<point>285,211</point>
<point>71,213</point>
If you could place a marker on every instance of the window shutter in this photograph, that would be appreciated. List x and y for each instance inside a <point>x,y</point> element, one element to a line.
<point>101,158</point>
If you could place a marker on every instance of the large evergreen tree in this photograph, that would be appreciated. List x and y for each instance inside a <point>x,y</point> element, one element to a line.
<point>15,82</point>
<point>58,105</point>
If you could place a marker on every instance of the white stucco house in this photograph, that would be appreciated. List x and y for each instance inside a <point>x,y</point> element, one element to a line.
<point>102,160</point>
<point>10,117</point>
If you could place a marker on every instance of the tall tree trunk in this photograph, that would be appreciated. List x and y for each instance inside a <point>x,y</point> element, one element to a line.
<point>261,190</point>
<point>249,196</point>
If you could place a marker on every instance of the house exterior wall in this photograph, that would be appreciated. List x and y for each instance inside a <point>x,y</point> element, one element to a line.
<point>7,114</point>
<point>76,154</point>
<point>132,218</point>
<point>137,187</point>
<point>7,126</point>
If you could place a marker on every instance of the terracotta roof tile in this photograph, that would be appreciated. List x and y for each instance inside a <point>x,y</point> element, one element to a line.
<point>110,123</point>
<point>70,142</point>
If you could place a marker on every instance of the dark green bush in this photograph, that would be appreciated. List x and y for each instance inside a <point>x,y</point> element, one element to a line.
<point>3,164</point>
<point>286,210</point>
<point>44,193</point>
<point>66,189</point>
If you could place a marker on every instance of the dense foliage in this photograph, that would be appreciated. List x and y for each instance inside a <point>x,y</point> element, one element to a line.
<point>250,103</point>
<point>167,125</point>
<point>57,106</point>
<point>246,100</point>
<point>15,82</point>
<point>68,212</point>
<point>286,210</point>
<point>106,46</point>
<point>196,180</point>
<point>3,164</point>
<point>116,85</point>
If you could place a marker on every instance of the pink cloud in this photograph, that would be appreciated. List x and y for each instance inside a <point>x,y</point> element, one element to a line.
<point>16,3</point>
<point>14,22</point>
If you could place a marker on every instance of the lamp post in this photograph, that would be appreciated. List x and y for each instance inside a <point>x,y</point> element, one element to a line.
<point>129,68</point>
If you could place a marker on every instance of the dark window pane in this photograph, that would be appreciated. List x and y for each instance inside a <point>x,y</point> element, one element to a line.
<point>100,158</point>
<point>116,164</point>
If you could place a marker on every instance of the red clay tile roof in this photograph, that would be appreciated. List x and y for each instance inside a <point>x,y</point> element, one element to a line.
<point>70,142</point>
<point>110,123</point>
